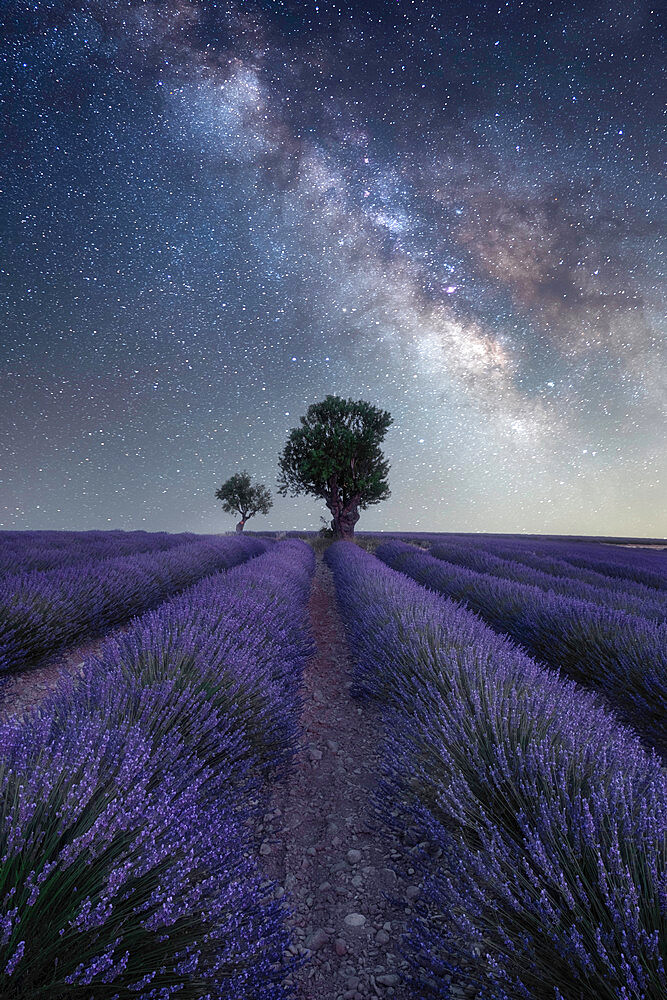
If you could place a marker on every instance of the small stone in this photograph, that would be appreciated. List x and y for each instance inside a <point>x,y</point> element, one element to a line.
<point>355,920</point>
<point>382,937</point>
<point>354,856</point>
<point>412,891</point>
<point>333,746</point>
<point>341,947</point>
<point>387,979</point>
<point>317,939</point>
<point>265,849</point>
<point>315,754</point>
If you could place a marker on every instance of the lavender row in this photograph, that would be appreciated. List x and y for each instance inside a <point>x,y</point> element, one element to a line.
<point>629,554</point>
<point>647,605</point>
<point>621,655</point>
<point>41,613</point>
<point>127,865</point>
<point>541,819</point>
<point>543,556</point>
<point>28,551</point>
<point>642,566</point>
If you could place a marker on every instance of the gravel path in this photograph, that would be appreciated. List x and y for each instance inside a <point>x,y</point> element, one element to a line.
<point>319,841</point>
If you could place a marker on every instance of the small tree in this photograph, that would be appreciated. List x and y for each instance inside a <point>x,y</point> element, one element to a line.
<point>335,455</point>
<point>240,496</point>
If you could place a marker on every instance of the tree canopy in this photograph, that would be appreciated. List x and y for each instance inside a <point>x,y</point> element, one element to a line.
<point>335,455</point>
<point>241,496</point>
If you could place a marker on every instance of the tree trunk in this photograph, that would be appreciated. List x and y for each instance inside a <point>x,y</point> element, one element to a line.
<point>344,520</point>
<point>241,524</point>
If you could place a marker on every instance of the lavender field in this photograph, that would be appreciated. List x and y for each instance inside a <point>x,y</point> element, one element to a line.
<point>416,766</point>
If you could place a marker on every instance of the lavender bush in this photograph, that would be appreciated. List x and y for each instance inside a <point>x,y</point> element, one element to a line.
<point>646,604</point>
<point>623,656</point>
<point>43,612</point>
<point>120,878</point>
<point>24,551</point>
<point>647,568</point>
<point>628,565</point>
<point>546,817</point>
<point>235,640</point>
<point>126,868</point>
<point>552,557</point>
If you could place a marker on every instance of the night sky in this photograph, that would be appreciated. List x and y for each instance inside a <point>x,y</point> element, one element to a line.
<point>214,214</point>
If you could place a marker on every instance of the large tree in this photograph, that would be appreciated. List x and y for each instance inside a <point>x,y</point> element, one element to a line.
<point>335,455</point>
<point>240,496</point>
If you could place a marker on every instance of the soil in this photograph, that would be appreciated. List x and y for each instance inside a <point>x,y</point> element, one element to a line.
<point>24,690</point>
<point>339,877</point>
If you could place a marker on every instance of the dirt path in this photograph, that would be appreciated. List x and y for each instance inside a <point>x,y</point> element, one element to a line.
<point>320,844</point>
<point>24,690</point>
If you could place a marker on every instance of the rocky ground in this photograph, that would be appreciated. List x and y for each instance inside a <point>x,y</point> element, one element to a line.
<point>25,690</point>
<point>339,878</point>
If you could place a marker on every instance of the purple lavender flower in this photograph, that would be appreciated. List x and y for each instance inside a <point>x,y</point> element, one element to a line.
<point>555,575</point>
<point>623,656</point>
<point>544,819</point>
<point>41,612</point>
<point>125,840</point>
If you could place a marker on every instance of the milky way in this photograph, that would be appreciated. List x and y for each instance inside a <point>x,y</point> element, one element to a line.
<point>216,214</point>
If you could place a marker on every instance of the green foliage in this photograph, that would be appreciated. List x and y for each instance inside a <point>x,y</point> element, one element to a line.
<point>240,496</point>
<point>335,455</point>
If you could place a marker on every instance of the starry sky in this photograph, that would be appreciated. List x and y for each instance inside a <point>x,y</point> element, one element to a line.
<point>214,214</point>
